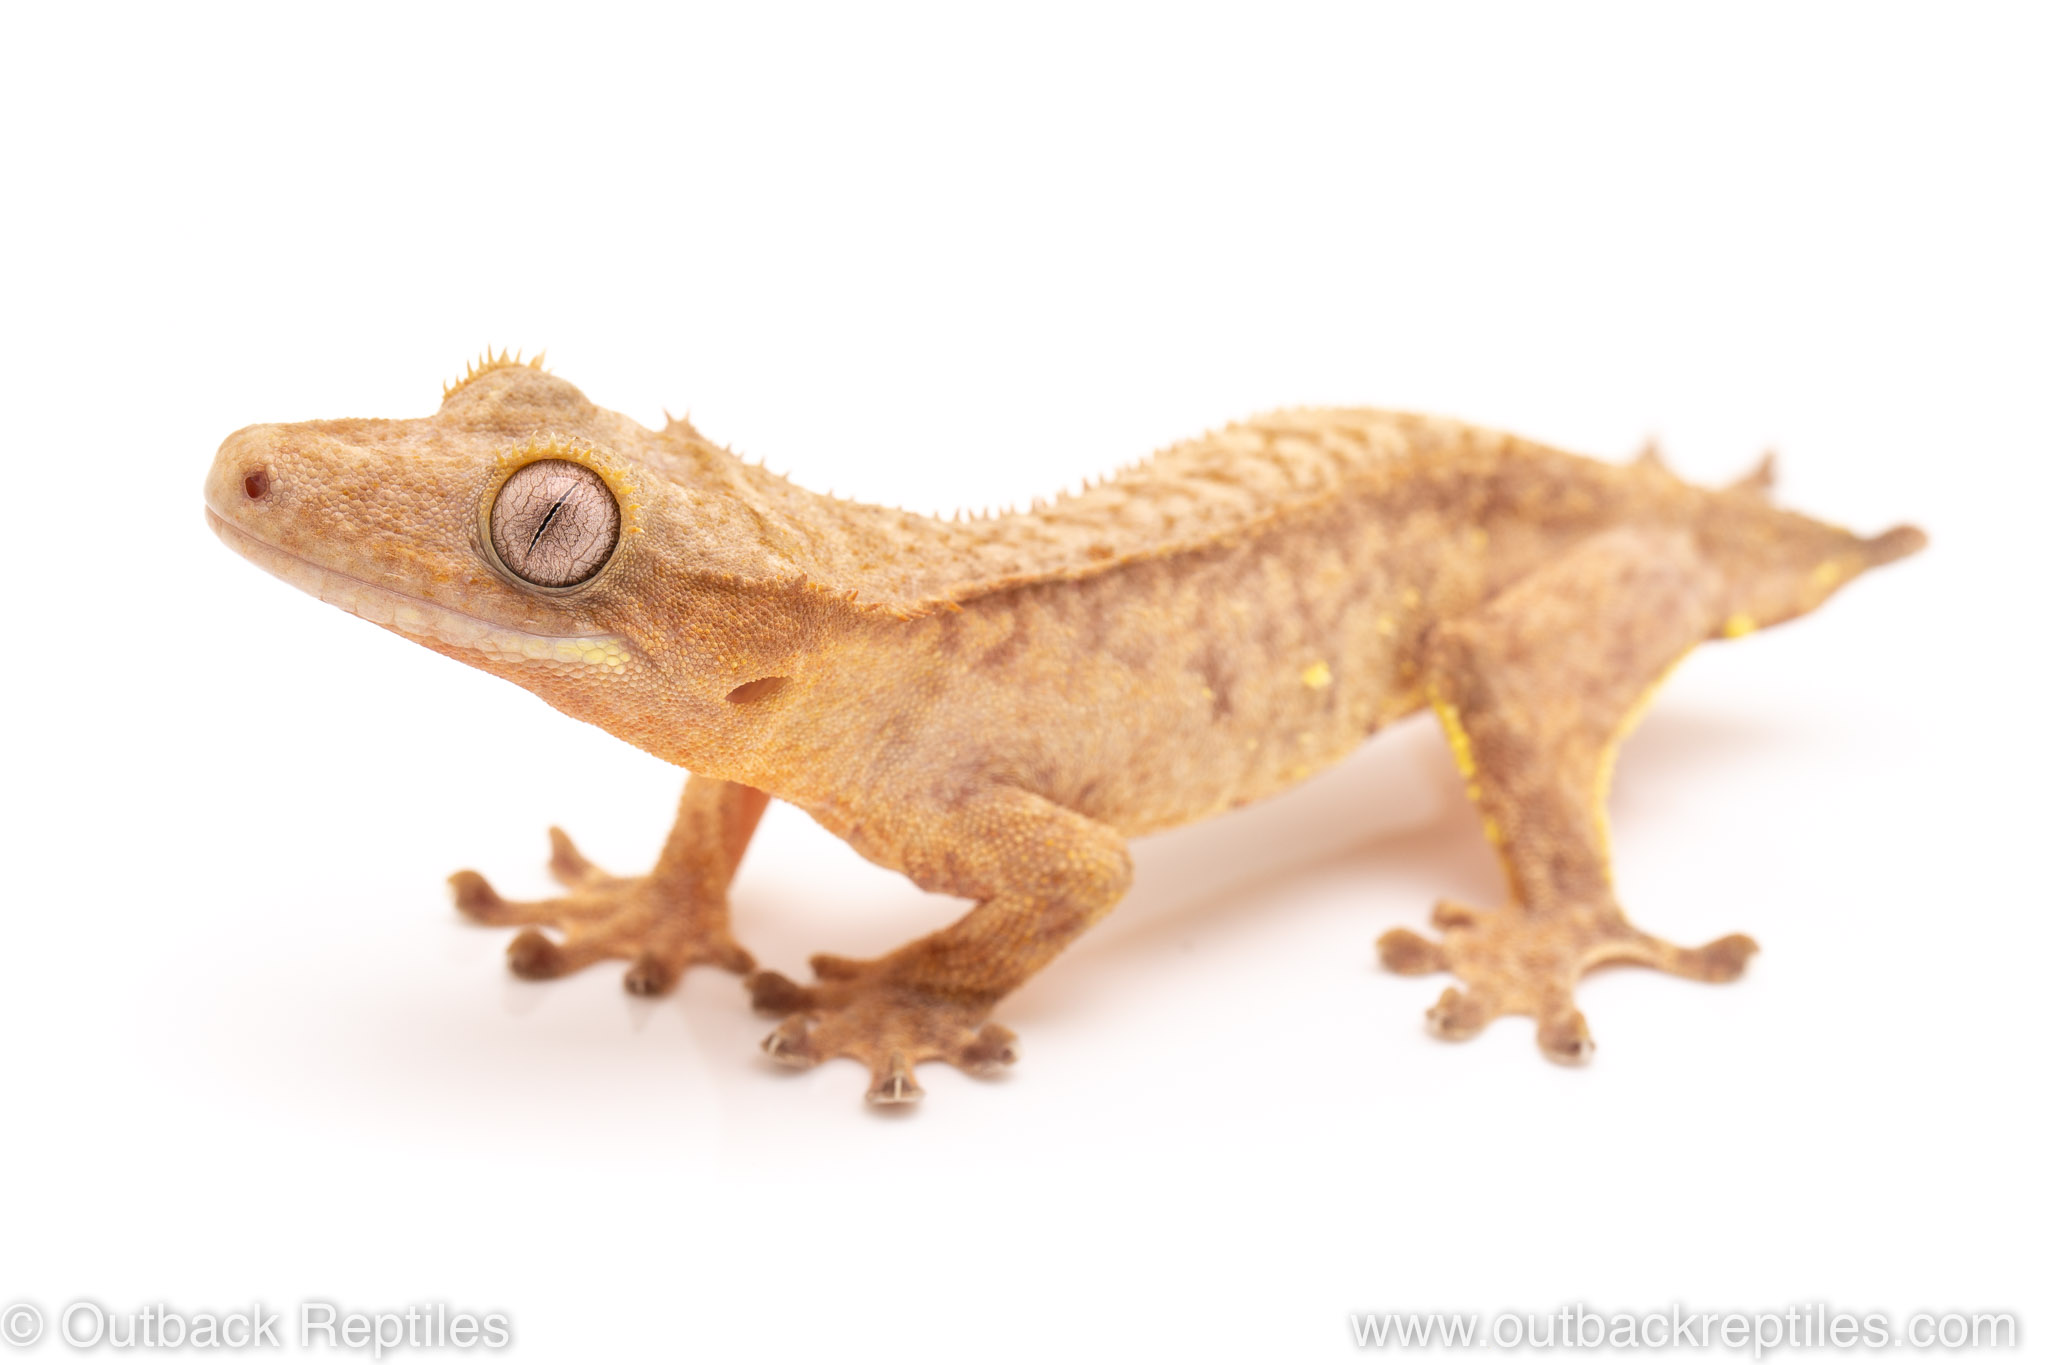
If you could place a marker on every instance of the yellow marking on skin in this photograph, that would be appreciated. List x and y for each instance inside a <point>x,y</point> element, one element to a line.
<point>1738,625</point>
<point>1603,775</point>
<point>1316,676</point>
<point>1454,732</point>
<point>594,653</point>
<point>598,652</point>
<point>1460,741</point>
<point>1828,573</point>
<point>1385,625</point>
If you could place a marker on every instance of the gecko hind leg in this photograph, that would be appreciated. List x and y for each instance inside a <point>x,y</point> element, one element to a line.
<point>1535,691</point>
<point>662,923</point>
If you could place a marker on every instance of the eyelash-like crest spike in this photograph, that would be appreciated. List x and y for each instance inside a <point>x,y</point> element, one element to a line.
<point>488,361</point>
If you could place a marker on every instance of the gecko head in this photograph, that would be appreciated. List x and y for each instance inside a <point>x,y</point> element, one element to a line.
<point>517,529</point>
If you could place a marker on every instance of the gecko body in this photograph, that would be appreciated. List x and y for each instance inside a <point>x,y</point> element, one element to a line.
<point>993,706</point>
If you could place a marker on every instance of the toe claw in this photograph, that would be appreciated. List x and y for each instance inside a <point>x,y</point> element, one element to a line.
<point>1565,1039</point>
<point>1410,954</point>
<point>993,1048</point>
<point>790,1044</point>
<point>1458,1016</point>
<point>896,1083</point>
<point>534,956</point>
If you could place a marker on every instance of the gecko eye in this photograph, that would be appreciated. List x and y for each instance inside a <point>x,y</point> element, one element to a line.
<point>554,524</point>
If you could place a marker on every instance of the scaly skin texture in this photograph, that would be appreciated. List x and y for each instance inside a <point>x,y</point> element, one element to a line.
<point>993,706</point>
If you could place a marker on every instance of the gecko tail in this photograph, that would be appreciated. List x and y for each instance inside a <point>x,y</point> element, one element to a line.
<point>1780,564</point>
<point>1895,544</point>
<point>1870,551</point>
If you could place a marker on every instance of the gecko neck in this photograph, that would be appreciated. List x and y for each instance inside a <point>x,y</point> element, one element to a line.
<point>760,527</point>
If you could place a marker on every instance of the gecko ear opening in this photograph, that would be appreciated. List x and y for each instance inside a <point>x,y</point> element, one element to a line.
<point>554,524</point>
<point>760,689</point>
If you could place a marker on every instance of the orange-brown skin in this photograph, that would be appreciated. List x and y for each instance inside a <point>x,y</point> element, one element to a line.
<point>993,706</point>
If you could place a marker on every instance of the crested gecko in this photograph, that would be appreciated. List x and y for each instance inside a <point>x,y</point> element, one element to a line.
<point>993,705</point>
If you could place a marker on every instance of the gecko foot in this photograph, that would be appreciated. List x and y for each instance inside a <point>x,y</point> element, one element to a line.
<point>604,916</point>
<point>857,1010</point>
<point>1518,961</point>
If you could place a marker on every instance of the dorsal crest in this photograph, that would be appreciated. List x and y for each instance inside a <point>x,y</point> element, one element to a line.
<point>492,360</point>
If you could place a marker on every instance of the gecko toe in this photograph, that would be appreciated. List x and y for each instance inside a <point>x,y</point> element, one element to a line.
<point>828,967</point>
<point>1410,954</point>
<point>475,897</point>
<point>534,956</point>
<point>1725,958</point>
<point>1449,914</point>
<point>791,1045</point>
<point>1565,1039</point>
<point>992,1049</point>
<point>774,993</point>
<point>1458,1015</point>
<point>649,975</point>
<point>566,862</point>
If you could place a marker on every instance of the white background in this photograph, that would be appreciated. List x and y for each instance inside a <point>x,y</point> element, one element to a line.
<point>251,1053</point>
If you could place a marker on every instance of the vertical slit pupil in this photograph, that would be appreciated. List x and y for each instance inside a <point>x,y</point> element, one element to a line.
<point>554,524</point>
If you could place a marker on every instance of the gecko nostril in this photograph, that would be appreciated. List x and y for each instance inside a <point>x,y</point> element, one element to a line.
<point>256,483</point>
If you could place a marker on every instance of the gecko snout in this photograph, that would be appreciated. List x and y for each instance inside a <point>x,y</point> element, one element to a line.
<point>251,466</point>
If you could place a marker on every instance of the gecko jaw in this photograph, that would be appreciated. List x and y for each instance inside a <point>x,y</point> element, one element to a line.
<point>415,617</point>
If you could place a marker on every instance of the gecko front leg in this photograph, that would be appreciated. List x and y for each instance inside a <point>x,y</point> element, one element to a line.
<point>1040,874</point>
<point>662,923</point>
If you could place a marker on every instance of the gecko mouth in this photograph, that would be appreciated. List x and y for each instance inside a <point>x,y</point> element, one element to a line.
<point>415,617</point>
